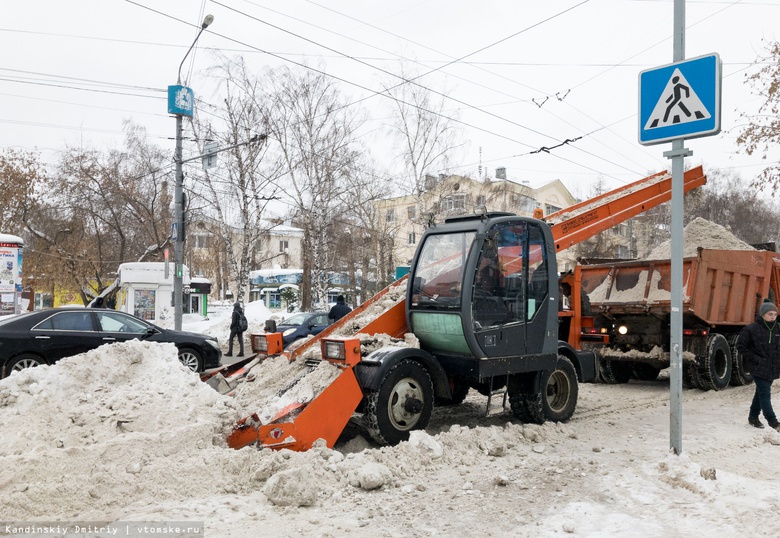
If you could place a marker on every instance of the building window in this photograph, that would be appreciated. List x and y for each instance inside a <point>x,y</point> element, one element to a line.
<point>411,212</point>
<point>481,201</point>
<point>201,241</point>
<point>390,215</point>
<point>283,246</point>
<point>412,238</point>
<point>524,204</point>
<point>622,251</point>
<point>454,201</point>
<point>550,209</point>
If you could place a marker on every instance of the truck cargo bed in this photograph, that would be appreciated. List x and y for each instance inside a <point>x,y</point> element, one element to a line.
<point>720,287</point>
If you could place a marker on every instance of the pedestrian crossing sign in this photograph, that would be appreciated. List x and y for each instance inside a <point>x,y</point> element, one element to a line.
<point>680,100</point>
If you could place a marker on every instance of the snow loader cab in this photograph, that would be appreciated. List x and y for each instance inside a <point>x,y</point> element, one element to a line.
<point>484,288</point>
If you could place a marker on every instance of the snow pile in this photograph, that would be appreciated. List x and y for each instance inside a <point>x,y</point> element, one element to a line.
<point>277,384</point>
<point>701,233</point>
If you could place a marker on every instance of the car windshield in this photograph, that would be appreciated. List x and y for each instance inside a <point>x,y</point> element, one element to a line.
<point>297,319</point>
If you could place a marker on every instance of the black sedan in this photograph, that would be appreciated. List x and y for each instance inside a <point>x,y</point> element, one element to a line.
<point>46,336</point>
<point>301,325</point>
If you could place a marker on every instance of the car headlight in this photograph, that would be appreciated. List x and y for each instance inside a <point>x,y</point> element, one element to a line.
<point>213,343</point>
<point>288,332</point>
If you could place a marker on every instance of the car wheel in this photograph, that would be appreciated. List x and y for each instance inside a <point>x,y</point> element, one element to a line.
<point>191,359</point>
<point>21,362</point>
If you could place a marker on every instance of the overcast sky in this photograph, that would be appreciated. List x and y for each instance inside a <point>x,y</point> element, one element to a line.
<point>522,75</point>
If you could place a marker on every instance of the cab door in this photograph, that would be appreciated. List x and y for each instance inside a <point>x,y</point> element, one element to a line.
<point>511,291</point>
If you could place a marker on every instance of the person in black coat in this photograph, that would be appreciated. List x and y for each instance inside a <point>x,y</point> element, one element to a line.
<point>759,345</point>
<point>236,330</point>
<point>339,310</point>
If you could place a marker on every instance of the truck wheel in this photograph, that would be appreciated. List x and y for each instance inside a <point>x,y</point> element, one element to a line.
<point>615,372</point>
<point>646,372</point>
<point>715,368</point>
<point>403,403</point>
<point>739,374</point>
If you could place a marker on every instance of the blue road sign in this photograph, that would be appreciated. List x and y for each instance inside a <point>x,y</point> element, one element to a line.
<point>181,100</point>
<point>680,100</point>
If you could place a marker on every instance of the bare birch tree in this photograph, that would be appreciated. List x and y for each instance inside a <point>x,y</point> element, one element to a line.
<point>231,200</point>
<point>315,135</point>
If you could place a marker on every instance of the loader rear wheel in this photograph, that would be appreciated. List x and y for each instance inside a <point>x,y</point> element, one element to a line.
<point>403,403</point>
<point>558,397</point>
<point>739,373</point>
<point>615,372</point>
<point>715,370</point>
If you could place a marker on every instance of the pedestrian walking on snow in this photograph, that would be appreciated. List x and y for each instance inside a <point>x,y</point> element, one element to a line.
<point>339,310</point>
<point>759,345</point>
<point>238,325</point>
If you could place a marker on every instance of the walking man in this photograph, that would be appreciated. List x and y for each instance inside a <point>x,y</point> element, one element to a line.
<point>759,344</point>
<point>238,325</point>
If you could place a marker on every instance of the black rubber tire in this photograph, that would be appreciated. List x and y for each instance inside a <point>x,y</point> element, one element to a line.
<point>687,377</point>
<point>715,368</point>
<point>616,372</point>
<point>739,373</point>
<point>403,403</point>
<point>23,362</point>
<point>646,372</point>
<point>460,389</point>
<point>556,399</point>
<point>191,359</point>
<point>519,408</point>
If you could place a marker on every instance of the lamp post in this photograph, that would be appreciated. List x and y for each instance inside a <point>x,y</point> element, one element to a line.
<point>181,101</point>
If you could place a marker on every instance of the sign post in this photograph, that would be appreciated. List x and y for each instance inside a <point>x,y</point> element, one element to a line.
<point>678,101</point>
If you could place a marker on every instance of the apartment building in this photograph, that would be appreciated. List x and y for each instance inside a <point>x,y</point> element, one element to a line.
<point>446,196</point>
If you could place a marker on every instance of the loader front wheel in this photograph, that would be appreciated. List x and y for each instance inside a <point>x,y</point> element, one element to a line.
<point>403,403</point>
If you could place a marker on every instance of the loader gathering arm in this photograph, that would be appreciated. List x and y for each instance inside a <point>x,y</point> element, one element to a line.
<point>586,219</point>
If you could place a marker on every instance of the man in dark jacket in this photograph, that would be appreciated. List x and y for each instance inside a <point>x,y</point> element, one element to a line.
<point>759,344</point>
<point>339,310</point>
<point>236,330</point>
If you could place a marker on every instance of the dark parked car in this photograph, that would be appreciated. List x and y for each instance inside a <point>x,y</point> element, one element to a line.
<point>301,325</point>
<point>46,336</point>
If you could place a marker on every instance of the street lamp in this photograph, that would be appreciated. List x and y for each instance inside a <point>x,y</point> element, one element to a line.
<point>181,101</point>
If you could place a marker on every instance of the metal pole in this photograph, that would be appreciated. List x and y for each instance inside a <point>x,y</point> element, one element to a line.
<point>677,154</point>
<point>178,246</point>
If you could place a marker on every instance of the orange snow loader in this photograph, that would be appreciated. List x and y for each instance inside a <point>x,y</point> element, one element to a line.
<point>482,299</point>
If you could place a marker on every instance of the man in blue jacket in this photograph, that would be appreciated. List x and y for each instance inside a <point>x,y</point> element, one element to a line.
<point>759,344</point>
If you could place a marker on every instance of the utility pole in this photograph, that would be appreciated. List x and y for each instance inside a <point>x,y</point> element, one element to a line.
<point>181,102</point>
